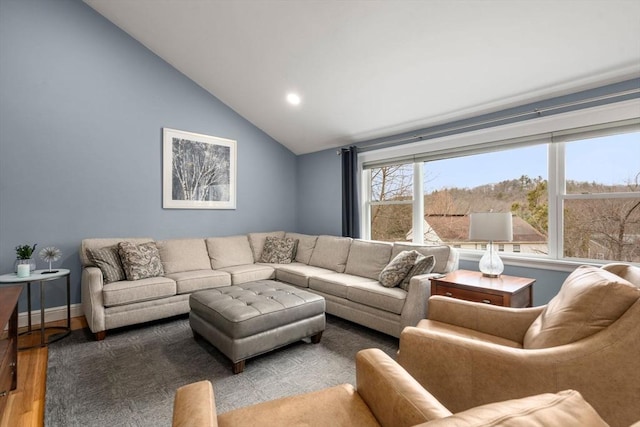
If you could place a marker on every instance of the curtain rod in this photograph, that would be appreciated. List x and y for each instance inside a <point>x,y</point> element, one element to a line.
<point>538,111</point>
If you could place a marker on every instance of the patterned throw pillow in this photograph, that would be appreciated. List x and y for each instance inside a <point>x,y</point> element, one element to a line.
<point>279,250</point>
<point>140,261</point>
<point>108,261</point>
<point>397,269</point>
<point>423,265</point>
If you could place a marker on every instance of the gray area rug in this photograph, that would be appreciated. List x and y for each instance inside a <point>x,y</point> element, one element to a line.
<point>130,378</point>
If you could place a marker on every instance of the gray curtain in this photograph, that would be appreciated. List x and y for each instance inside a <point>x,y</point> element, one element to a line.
<point>350,211</point>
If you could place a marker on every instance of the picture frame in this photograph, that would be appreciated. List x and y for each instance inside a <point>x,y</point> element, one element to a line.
<point>198,171</point>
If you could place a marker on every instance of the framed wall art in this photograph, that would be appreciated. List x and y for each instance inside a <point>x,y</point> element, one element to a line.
<point>199,171</point>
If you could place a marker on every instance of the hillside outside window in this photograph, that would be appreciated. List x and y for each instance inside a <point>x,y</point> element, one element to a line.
<point>573,194</point>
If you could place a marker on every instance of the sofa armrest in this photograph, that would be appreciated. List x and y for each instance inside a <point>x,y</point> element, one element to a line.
<point>392,395</point>
<point>505,322</point>
<point>415,305</point>
<point>194,406</point>
<point>92,302</point>
<point>453,262</point>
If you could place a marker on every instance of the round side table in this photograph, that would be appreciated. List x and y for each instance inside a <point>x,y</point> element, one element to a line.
<point>43,276</point>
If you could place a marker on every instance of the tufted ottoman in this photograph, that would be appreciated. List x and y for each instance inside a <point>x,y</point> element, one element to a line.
<point>252,318</point>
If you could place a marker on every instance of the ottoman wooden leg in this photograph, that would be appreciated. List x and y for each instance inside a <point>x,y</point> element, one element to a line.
<point>316,338</point>
<point>238,367</point>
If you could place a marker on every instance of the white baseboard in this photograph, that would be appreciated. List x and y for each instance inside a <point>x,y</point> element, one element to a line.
<point>50,315</point>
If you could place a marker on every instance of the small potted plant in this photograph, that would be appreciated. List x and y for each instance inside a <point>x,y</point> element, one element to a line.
<point>23,256</point>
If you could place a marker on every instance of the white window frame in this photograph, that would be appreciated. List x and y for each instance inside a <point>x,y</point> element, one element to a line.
<point>483,140</point>
<point>557,156</point>
<point>417,200</point>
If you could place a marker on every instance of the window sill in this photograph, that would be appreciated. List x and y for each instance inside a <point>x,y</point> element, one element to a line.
<point>541,263</point>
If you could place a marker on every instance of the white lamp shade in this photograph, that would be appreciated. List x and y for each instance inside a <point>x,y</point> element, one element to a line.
<point>491,226</point>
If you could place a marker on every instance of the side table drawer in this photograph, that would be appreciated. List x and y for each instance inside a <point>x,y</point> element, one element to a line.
<point>464,294</point>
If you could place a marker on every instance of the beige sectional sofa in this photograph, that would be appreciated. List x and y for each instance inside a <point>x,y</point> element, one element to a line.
<point>343,270</point>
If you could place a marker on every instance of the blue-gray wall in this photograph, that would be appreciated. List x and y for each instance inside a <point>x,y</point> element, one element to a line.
<point>82,107</point>
<point>320,193</point>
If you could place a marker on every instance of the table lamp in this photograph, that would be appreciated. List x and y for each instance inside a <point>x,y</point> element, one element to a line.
<point>491,226</point>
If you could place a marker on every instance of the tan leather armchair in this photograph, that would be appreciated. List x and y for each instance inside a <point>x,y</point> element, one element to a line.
<point>587,339</point>
<point>386,396</point>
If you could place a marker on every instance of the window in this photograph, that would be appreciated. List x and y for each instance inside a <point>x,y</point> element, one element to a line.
<point>391,202</point>
<point>574,193</point>
<point>601,201</point>
<point>511,180</point>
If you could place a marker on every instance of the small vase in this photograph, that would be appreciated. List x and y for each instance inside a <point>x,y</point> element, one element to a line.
<point>30,261</point>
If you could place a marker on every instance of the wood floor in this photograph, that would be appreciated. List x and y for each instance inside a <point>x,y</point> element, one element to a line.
<point>25,405</point>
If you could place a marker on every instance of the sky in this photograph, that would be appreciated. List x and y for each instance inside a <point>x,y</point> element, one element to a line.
<point>606,160</point>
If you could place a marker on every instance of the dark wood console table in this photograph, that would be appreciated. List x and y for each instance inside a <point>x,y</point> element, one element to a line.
<point>8,344</point>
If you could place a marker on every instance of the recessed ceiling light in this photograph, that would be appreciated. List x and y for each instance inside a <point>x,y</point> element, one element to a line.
<point>293,99</point>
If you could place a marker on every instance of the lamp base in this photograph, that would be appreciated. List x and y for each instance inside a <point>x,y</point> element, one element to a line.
<point>492,276</point>
<point>490,264</point>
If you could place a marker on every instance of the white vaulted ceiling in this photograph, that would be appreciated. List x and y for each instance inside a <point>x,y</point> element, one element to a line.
<point>366,69</point>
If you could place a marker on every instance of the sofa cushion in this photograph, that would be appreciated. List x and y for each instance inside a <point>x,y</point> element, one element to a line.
<point>229,251</point>
<point>331,252</point>
<point>108,261</point>
<point>336,284</point>
<point>339,405</point>
<point>183,255</point>
<point>140,261</point>
<point>368,258</point>
<point>306,243</point>
<point>128,292</point>
<point>195,280</point>
<point>423,265</point>
<point>249,272</point>
<point>589,300</point>
<point>565,408</point>
<point>278,250</point>
<point>440,252</point>
<point>97,243</point>
<point>393,274</point>
<point>298,273</point>
<point>257,241</point>
<point>375,295</point>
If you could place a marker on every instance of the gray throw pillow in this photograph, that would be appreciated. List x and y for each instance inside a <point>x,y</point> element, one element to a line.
<point>140,261</point>
<point>423,265</point>
<point>279,250</point>
<point>107,260</point>
<point>398,268</point>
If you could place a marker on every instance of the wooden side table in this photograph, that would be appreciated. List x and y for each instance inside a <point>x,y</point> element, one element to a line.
<point>507,291</point>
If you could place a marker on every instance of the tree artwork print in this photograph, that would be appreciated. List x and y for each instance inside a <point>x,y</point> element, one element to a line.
<point>199,171</point>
